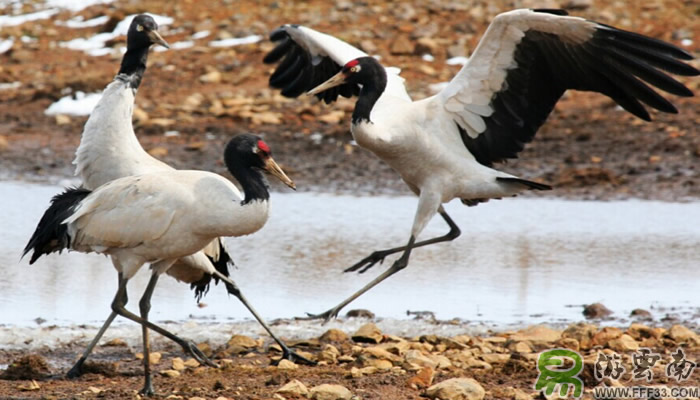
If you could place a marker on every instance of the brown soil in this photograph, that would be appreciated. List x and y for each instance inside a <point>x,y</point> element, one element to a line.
<point>394,368</point>
<point>587,149</point>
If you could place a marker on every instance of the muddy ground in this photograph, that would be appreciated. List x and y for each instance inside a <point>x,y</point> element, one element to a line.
<point>588,149</point>
<point>367,364</point>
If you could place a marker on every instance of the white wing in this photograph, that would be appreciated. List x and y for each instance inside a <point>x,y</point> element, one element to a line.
<point>124,213</point>
<point>309,58</point>
<point>528,58</point>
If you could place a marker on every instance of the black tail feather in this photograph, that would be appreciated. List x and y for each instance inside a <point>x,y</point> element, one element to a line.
<point>530,184</point>
<point>201,287</point>
<point>51,234</point>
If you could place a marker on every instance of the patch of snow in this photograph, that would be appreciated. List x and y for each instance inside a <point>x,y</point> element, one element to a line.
<point>80,104</point>
<point>75,5</point>
<point>171,133</point>
<point>457,60</point>
<point>200,35</point>
<point>428,57</point>
<point>10,85</point>
<point>95,45</point>
<point>6,45</point>
<point>79,22</point>
<point>687,42</point>
<point>28,39</point>
<point>14,20</point>
<point>236,41</point>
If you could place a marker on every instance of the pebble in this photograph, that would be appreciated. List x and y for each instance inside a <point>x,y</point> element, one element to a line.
<point>368,333</point>
<point>596,311</point>
<point>334,335</point>
<point>623,344</point>
<point>286,365</point>
<point>294,387</point>
<point>538,334</point>
<point>171,373</point>
<point>423,378</point>
<point>330,392</point>
<point>456,389</point>
<point>680,334</point>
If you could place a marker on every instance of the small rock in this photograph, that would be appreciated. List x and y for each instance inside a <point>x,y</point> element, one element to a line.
<point>171,373</point>
<point>286,365</point>
<point>191,363</point>
<point>330,392</point>
<point>4,143</point>
<point>368,333</point>
<point>423,378</point>
<point>537,334</point>
<point>381,353</point>
<point>680,334</point>
<point>582,332</point>
<point>368,46</point>
<point>116,342</point>
<point>426,45</point>
<point>334,335</point>
<point>211,77</point>
<point>605,335</point>
<point>378,364</point>
<point>495,358</point>
<point>359,312</point>
<point>178,364</point>
<point>29,387</point>
<point>624,343</point>
<point>520,347</point>
<point>329,353</point>
<point>402,45</point>
<point>641,314</point>
<point>294,387</point>
<point>242,341</point>
<point>456,389</point>
<point>62,119</point>
<point>154,358</point>
<point>416,358</point>
<point>139,115</point>
<point>596,311</point>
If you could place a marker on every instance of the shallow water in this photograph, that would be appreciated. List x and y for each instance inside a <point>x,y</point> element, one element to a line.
<point>517,261</point>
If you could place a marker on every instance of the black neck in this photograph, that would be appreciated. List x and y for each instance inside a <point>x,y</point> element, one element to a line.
<point>134,65</point>
<point>252,182</point>
<point>370,93</point>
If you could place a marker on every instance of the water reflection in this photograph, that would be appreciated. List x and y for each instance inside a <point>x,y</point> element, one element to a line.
<point>517,260</point>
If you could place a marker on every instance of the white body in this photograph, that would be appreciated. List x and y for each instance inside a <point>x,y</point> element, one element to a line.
<point>420,139</point>
<point>109,150</point>
<point>160,217</point>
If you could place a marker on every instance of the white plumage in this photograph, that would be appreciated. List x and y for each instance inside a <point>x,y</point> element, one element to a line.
<point>445,146</point>
<point>159,218</point>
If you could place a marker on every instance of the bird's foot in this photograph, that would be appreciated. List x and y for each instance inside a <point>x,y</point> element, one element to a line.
<point>76,370</point>
<point>147,389</point>
<point>326,316</point>
<point>196,353</point>
<point>368,262</point>
<point>292,356</point>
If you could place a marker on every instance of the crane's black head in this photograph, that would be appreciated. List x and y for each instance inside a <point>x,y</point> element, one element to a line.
<point>363,70</point>
<point>246,152</point>
<point>143,32</point>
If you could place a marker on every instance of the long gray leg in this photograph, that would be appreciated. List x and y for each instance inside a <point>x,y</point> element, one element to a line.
<point>379,255</point>
<point>145,307</point>
<point>233,289</point>
<point>189,347</point>
<point>398,265</point>
<point>77,369</point>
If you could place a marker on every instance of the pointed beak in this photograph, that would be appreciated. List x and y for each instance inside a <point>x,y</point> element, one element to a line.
<point>157,39</point>
<point>274,169</point>
<point>336,80</point>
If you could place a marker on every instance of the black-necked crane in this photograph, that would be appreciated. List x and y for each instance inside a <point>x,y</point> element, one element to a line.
<point>444,147</point>
<point>160,217</point>
<point>109,150</point>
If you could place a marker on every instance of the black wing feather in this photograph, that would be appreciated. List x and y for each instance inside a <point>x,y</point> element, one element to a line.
<point>296,74</point>
<point>625,66</point>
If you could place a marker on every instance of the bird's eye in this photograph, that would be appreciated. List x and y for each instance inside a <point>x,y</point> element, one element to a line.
<point>354,69</point>
<point>139,28</point>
